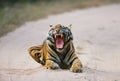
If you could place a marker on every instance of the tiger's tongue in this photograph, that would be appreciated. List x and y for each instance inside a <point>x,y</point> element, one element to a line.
<point>59,43</point>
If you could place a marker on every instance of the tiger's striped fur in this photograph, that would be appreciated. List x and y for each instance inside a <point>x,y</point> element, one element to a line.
<point>48,55</point>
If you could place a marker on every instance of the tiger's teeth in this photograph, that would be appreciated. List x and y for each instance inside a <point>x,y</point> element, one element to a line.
<point>61,35</point>
<point>55,36</point>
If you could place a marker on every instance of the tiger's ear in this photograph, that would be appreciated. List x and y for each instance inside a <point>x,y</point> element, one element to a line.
<point>70,26</point>
<point>51,26</point>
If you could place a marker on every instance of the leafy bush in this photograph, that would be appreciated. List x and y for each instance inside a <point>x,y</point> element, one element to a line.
<point>13,13</point>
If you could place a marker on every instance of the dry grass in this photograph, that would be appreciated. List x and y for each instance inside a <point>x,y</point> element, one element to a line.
<point>12,17</point>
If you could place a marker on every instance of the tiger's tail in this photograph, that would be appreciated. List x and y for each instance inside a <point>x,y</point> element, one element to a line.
<point>36,53</point>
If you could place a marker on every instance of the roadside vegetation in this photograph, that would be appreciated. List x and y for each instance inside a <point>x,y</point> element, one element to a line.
<point>13,13</point>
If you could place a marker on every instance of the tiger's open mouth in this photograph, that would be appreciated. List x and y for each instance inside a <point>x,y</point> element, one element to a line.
<point>59,40</point>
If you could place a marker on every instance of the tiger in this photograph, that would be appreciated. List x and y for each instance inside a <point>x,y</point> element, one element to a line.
<point>57,50</point>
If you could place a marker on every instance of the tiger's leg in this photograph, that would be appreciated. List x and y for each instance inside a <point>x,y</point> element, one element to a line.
<point>35,53</point>
<point>51,65</point>
<point>76,66</point>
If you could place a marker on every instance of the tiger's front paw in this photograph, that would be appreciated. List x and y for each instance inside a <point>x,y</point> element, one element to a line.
<point>76,67</point>
<point>51,65</point>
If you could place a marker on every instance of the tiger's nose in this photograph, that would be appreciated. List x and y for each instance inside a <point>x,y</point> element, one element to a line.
<point>57,30</point>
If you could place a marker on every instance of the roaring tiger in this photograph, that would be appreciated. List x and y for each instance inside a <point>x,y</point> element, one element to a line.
<point>57,51</point>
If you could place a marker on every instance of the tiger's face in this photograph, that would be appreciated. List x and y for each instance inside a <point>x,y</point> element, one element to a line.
<point>59,36</point>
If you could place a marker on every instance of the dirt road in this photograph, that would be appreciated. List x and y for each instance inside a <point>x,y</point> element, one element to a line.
<point>97,40</point>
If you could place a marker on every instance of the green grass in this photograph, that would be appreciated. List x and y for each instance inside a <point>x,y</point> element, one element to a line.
<point>11,17</point>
